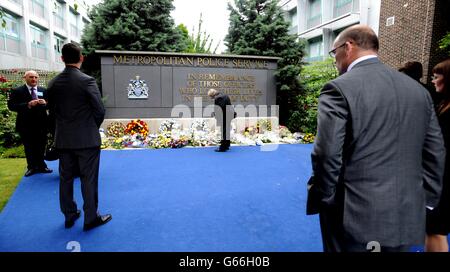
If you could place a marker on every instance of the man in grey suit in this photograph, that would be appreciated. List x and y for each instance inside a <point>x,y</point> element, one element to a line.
<point>378,157</point>
<point>75,103</point>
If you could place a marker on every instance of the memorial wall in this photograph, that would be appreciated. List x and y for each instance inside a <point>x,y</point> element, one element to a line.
<point>150,84</point>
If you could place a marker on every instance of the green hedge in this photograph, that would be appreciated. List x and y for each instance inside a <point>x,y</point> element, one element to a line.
<point>8,136</point>
<point>313,77</point>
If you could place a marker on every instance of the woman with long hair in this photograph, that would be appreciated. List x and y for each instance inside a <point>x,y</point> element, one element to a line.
<point>438,219</point>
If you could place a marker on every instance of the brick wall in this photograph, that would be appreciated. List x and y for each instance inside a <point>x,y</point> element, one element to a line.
<point>415,34</point>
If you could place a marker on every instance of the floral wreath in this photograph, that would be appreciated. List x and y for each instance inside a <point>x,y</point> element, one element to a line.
<point>201,125</point>
<point>115,129</point>
<point>168,125</point>
<point>137,126</point>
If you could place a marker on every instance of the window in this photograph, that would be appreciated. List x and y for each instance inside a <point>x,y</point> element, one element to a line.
<point>10,35</point>
<point>315,13</point>
<point>294,20</point>
<point>58,15</point>
<point>37,8</point>
<point>16,1</point>
<point>342,7</point>
<point>38,42</point>
<point>315,49</point>
<point>73,20</point>
<point>59,42</point>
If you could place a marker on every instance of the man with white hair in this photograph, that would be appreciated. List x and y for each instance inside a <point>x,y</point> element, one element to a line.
<point>30,103</point>
<point>224,113</point>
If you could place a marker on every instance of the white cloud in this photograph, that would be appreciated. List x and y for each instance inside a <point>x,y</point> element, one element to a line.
<point>214,15</point>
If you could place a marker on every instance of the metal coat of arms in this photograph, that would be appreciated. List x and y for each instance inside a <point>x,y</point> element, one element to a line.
<point>137,89</point>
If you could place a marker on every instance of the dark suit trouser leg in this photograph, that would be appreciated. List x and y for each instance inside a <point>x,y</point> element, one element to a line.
<point>332,229</point>
<point>89,161</point>
<point>361,247</point>
<point>334,239</point>
<point>34,144</point>
<point>40,144</point>
<point>28,147</point>
<point>225,135</point>
<point>68,165</point>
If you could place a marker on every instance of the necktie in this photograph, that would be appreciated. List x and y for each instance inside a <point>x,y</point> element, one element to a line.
<point>33,93</point>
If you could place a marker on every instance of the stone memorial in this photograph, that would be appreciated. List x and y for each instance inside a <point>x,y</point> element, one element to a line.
<point>155,86</point>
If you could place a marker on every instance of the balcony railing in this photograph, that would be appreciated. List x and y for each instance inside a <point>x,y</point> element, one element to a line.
<point>19,2</point>
<point>37,9</point>
<point>74,31</point>
<point>9,44</point>
<point>314,21</point>
<point>38,51</point>
<point>342,9</point>
<point>58,21</point>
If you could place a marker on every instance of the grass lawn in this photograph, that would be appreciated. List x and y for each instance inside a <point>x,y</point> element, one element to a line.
<point>11,171</point>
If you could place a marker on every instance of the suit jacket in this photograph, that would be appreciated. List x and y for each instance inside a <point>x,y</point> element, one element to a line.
<point>28,119</point>
<point>75,104</point>
<point>224,103</point>
<point>378,155</point>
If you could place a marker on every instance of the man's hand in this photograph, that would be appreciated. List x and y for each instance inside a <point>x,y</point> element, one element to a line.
<point>35,102</point>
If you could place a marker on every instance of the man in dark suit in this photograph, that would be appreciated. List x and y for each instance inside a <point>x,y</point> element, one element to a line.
<point>75,103</point>
<point>378,157</point>
<point>29,101</point>
<point>224,113</point>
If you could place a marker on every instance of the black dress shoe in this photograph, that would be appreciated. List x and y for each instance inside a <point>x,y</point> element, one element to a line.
<point>100,220</point>
<point>30,172</point>
<point>45,170</point>
<point>69,223</point>
<point>220,150</point>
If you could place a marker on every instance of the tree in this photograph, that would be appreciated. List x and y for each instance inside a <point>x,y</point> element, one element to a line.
<point>258,27</point>
<point>199,43</point>
<point>444,43</point>
<point>132,25</point>
<point>2,19</point>
<point>314,76</point>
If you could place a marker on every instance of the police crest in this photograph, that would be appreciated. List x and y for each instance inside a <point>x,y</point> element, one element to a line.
<point>137,89</point>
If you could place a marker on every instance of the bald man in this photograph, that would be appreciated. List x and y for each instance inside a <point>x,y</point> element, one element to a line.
<point>29,101</point>
<point>378,157</point>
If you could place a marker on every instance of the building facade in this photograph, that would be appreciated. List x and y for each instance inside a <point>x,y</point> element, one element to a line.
<point>36,30</point>
<point>320,21</point>
<point>411,30</point>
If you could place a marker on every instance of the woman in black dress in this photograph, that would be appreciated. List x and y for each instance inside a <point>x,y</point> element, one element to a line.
<point>438,219</point>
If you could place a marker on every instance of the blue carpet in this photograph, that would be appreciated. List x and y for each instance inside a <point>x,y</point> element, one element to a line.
<point>176,200</point>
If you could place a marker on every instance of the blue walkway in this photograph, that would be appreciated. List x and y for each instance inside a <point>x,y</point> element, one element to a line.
<point>182,200</point>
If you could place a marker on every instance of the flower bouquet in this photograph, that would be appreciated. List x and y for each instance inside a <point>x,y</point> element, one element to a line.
<point>115,129</point>
<point>250,131</point>
<point>168,125</point>
<point>263,125</point>
<point>284,132</point>
<point>161,140</point>
<point>180,142</point>
<point>137,127</point>
<point>199,125</point>
<point>308,138</point>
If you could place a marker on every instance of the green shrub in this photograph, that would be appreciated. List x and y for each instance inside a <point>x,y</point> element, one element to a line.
<point>444,43</point>
<point>8,136</point>
<point>14,152</point>
<point>313,77</point>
